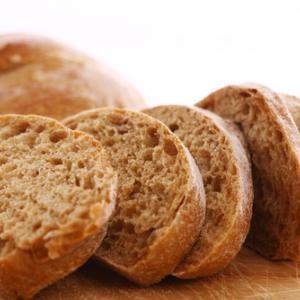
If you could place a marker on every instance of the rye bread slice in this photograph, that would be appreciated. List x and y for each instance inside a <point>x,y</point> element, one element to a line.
<point>274,145</point>
<point>226,172</point>
<point>160,203</point>
<point>57,192</point>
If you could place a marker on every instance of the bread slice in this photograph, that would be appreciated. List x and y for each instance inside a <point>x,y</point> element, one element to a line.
<point>160,202</point>
<point>293,104</point>
<point>274,144</point>
<point>57,192</point>
<point>226,172</point>
<point>41,76</point>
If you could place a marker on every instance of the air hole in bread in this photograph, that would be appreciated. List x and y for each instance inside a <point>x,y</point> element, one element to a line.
<point>88,182</point>
<point>56,161</point>
<point>3,161</point>
<point>109,142</point>
<point>111,132</point>
<point>22,127</point>
<point>136,187</point>
<point>173,127</point>
<point>158,168</point>
<point>80,164</point>
<point>245,94</point>
<point>57,136</point>
<point>216,184</point>
<point>122,130</point>
<point>68,164</point>
<point>170,148</point>
<point>77,181</point>
<point>152,138</point>
<point>35,173</point>
<point>158,188</point>
<point>148,155</point>
<point>40,129</point>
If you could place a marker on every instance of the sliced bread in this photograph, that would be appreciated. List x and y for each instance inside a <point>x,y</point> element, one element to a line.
<point>226,172</point>
<point>160,203</point>
<point>274,145</point>
<point>57,192</point>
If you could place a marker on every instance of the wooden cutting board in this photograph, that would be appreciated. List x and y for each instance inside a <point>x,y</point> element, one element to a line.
<point>249,276</point>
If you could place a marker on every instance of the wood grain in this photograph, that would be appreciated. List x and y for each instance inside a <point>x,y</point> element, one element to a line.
<point>248,277</point>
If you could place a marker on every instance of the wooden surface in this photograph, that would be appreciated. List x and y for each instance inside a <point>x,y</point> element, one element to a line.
<point>248,277</point>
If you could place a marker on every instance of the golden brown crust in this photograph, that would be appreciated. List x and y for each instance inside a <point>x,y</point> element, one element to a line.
<point>22,276</point>
<point>174,240</point>
<point>274,147</point>
<point>66,236</point>
<point>39,76</point>
<point>208,257</point>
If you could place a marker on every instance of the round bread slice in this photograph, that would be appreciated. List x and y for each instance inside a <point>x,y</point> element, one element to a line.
<point>57,192</point>
<point>41,76</point>
<point>160,203</point>
<point>274,145</point>
<point>226,173</point>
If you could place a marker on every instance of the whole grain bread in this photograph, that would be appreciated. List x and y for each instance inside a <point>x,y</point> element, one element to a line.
<point>57,192</point>
<point>160,203</point>
<point>274,144</point>
<point>40,76</point>
<point>226,172</point>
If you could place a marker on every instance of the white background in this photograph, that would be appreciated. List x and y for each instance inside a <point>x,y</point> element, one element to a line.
<point>174,51</point>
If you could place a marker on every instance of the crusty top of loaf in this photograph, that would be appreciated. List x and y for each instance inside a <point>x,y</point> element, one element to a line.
<point>44,77</point>
<point>56,187</point>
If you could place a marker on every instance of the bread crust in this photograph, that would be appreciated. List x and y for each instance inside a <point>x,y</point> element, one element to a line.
<point>22,276</point>
<point>177,238</point>
<point>293,104</point>
<point>274,145</point>
<point>205,260</point>
<point>40,76</point>
<point>24,270</point>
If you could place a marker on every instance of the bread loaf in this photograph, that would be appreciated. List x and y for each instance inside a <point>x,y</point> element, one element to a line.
<point>226,172</point>
<point>40,76</point>
<point>57,192</point>
<point>274,144</point>
<point>160,203</point>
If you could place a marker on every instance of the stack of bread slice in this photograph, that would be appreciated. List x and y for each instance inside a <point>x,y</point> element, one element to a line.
<point>171,190</point>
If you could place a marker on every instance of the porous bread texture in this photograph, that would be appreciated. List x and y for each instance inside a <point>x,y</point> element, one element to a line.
<point>274,145</point>
<point>160,203</point>
<point>57,192</point>
<point>226,173</point>
<point>293,104</point>
<point>41,76</point>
